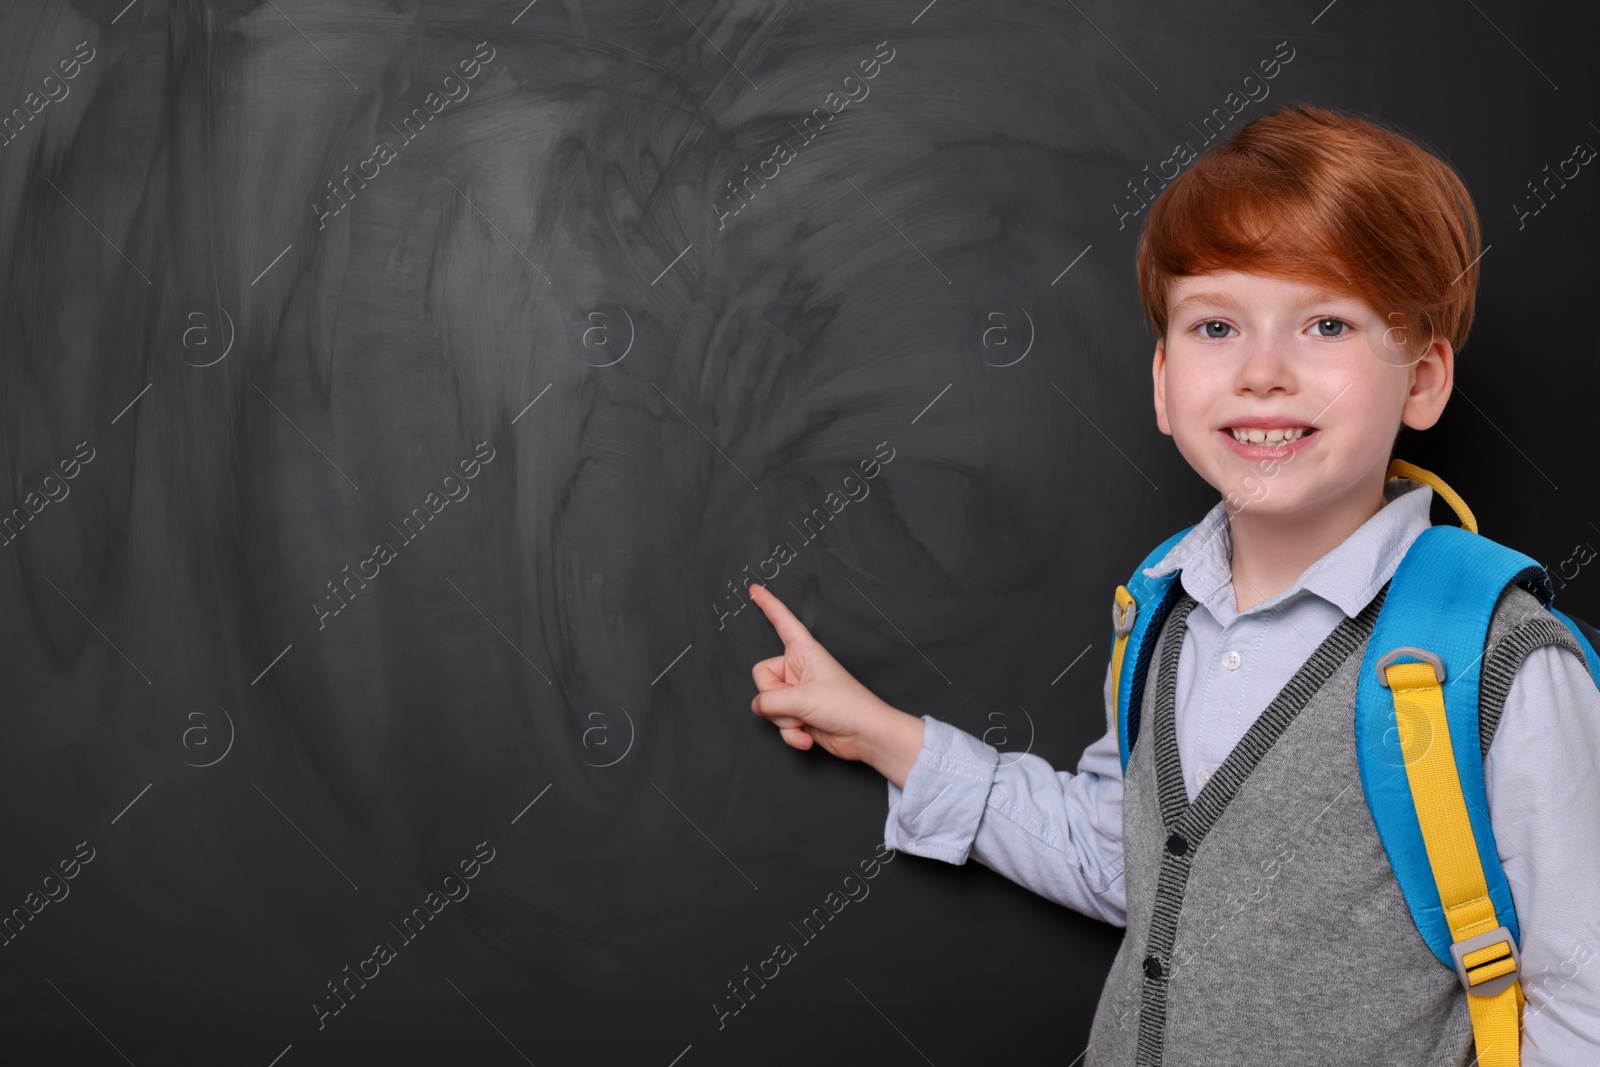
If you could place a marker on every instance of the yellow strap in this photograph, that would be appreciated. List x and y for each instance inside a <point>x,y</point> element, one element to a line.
<point>1483,955</point>
<point>1119,643</point>
<point>1399,468</point>
<point>1453,853</point>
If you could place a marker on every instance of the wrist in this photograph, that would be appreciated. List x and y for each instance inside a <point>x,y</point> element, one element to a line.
<point>895,744</point>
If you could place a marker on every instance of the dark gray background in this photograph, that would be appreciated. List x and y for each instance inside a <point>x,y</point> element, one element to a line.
<point>164,606</point>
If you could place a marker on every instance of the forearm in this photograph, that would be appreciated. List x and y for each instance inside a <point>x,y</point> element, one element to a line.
<point>1056,833</point>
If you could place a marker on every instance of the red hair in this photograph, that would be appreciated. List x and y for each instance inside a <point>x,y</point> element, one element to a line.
<point>1326,198</point>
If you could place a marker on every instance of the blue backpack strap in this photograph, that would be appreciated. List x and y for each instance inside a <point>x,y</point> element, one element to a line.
<point>1440,600</point>
<point>1136,616</point>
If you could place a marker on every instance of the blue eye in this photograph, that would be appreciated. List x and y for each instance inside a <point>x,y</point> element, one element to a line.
<point>1206,329</point>
<point>1340,323</point>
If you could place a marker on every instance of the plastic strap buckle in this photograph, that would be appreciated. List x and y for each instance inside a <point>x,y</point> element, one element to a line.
<point>1122,616</point>
<point>1407,650</point>
<point>1490,986</point>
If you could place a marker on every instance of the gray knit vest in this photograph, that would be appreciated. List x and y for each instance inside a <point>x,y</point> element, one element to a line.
<point>1265,925</point>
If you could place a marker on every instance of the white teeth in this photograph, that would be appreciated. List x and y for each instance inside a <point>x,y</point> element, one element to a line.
<point>1271,437</point>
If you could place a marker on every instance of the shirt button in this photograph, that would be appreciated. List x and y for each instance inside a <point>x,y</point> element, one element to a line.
<point>1231,659</point>
<point>1203,777</point>
<point>1152,967</point>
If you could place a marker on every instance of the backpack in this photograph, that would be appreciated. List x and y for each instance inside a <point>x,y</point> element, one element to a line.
<point>1419,680</point>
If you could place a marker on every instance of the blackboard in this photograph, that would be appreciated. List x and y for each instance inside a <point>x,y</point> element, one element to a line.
<point>397,395</point>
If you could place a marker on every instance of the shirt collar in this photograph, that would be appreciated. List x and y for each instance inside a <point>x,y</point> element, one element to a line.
<point>1349,576</point>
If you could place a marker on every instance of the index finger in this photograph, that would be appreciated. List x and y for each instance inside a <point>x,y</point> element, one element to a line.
<point>789,628</point>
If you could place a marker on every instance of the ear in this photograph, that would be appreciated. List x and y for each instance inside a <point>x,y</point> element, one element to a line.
<point>1432,377</point>
<point>1158,372</point>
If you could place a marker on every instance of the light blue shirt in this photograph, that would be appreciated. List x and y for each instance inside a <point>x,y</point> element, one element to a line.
<point>1059,833</point>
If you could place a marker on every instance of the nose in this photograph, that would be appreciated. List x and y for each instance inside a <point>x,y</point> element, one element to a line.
<point>1264,365</point>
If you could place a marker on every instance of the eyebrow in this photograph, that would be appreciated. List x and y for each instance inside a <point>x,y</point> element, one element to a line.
<point>1305,294</point>
<point>1204,298</point>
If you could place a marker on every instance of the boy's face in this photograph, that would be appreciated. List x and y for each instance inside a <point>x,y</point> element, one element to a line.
<point>1250,351</point>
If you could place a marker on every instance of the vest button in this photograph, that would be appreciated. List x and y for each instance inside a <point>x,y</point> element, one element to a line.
<point>1152,967</point>
<point>1177,844</point>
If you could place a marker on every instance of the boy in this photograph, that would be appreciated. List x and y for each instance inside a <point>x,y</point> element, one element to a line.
<point>1264,924</point>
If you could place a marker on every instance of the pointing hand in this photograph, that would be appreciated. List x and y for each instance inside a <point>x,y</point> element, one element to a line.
<point>811,699</point>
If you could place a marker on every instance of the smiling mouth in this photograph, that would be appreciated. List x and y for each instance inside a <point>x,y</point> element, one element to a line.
<point>1277,436</point>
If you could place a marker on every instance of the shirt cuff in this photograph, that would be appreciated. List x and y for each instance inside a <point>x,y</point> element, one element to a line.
<point>937,813</point>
